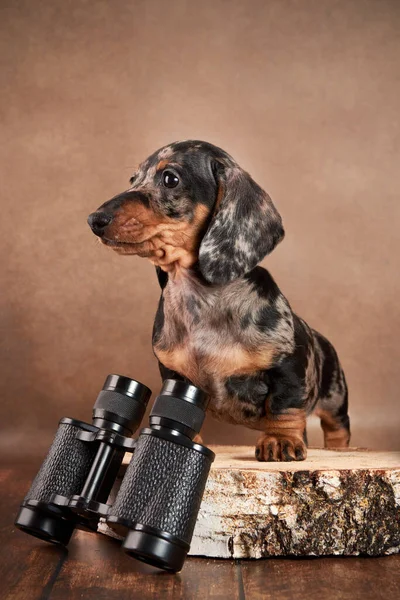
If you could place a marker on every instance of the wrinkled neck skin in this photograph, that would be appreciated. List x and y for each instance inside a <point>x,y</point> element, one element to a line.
<point>191,299</point>
<point>185,281</point>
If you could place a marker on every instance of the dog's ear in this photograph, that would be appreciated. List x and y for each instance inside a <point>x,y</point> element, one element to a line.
<point>244,228</point>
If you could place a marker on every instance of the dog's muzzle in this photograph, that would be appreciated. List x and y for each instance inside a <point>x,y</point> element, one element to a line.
<point>98,221</point>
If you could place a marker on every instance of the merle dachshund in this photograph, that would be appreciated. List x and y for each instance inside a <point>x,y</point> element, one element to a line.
<point>222,323</point>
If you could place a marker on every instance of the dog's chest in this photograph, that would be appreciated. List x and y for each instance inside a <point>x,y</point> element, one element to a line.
<point>202,340</point>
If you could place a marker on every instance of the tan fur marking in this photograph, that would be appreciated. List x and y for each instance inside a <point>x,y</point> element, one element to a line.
<point>291,423</point>
<point>181,246</point>
<point>161,165</point>
<point>335,436</point>
<point>167,242</point>
<point>283,437</point>
<point>220,195</point>
<point>221,364</point>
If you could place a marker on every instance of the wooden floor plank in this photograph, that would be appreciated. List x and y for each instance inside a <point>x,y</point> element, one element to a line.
<point>27,565</point>
<point>96,568</point>
<point>344,578</point>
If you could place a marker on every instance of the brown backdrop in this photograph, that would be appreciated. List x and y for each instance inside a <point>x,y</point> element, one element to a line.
<point>305,95</point>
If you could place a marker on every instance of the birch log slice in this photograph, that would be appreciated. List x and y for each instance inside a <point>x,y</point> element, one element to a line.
<point>343,502</point>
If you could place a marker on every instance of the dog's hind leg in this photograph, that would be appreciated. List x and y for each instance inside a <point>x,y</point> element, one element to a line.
<point>332,405</point>
<point>333,412</point>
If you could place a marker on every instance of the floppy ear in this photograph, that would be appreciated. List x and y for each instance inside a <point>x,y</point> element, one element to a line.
<point>245,227</point>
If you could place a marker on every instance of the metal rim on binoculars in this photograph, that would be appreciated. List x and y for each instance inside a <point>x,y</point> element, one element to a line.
<point>80,424</point>
<point>128,387</point>
<point>156,547</point>
<point>185,391</point>
<point>43,525</point>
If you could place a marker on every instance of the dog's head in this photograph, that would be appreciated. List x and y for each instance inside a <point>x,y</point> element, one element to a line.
<point>190,203</point>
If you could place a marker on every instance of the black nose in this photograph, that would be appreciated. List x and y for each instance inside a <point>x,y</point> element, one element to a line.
<point>98,221</point>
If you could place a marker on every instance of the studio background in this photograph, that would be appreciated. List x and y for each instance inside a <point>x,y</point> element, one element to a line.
<point>305,95</point>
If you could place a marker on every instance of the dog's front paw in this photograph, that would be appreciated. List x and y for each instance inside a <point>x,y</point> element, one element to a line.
<point>273,448</point>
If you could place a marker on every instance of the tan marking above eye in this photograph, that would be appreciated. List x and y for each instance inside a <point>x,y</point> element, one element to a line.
<point>161,165</point>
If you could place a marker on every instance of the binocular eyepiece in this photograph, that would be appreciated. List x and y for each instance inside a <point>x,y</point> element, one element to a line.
<point>157,505</point>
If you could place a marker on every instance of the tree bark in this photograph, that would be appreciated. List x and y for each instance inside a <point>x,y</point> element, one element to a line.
<point>342,502</point>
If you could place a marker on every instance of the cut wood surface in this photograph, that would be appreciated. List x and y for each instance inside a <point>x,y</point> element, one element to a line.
<point>337,502</point>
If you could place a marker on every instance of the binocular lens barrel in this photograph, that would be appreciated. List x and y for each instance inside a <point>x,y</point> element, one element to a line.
<point>180,406</point>
<point>63,472</point>
<point>77,463</point>
<point>160,495</point>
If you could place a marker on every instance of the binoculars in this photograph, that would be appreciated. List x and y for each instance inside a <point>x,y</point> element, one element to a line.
<point>156,508</point>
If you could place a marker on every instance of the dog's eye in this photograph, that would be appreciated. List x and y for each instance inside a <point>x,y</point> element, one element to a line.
<point>170,180</point>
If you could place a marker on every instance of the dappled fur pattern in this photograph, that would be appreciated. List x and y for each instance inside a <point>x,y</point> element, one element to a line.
<point>222,323</point>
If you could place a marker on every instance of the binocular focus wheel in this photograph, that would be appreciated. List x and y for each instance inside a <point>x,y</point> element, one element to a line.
<point>45,526</point>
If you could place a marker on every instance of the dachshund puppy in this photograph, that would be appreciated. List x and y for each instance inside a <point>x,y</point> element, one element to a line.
<point>222,322</point>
